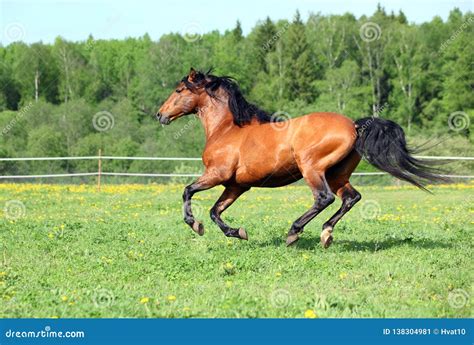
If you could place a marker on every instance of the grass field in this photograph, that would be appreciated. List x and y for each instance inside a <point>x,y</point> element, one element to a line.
<point>69,251</point>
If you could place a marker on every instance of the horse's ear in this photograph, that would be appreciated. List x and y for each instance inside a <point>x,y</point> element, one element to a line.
<point>192,74</point>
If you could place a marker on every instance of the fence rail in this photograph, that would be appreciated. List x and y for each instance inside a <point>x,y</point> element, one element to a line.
<point>102,157</point>
<point>176,158</point>
<point>6,177</point>
<point>99,173</point>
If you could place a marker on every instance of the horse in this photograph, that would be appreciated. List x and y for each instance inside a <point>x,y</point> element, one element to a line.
<point>247,147</point>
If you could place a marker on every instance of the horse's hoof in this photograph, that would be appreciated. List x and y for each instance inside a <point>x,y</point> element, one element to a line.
<point>326,238</point>
<point>292,239</point>
<point>243,234</point>
<point>198,228</point>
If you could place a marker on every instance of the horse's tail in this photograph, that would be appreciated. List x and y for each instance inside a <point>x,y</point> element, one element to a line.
<point>382,143</point>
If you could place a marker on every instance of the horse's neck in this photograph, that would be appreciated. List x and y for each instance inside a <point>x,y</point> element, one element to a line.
<point>216,117</point>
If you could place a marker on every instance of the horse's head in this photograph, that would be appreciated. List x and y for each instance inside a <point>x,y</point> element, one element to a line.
<point>184,99</point>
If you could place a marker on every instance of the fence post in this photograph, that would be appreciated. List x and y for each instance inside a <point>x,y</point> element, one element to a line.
<point>99,170</point>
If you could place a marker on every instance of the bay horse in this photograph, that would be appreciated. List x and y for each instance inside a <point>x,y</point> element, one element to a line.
<point>246,147</point>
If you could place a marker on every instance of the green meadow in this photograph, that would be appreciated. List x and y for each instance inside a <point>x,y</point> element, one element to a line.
<point>70,251</point>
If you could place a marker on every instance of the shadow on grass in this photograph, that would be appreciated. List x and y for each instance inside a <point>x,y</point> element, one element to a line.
<point>361,246</point>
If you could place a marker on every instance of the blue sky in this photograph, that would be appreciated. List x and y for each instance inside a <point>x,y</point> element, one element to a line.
<point>43,20</point>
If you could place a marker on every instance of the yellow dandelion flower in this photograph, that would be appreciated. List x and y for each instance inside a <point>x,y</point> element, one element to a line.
<point>310,314</point>
<point>278,274</point>
<point>186,309</point>
<point>171,298</point>
<point>306,256</point>
<point>51,235</point>
<point>343,275</point>
<point>64,298</point>
<point>228,283</point>
<point>144,300</point>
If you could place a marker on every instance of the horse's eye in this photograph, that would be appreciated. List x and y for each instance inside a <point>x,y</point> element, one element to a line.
<point>179,90</point>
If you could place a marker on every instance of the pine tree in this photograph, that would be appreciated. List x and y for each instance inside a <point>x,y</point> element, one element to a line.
<point>300,74</point>
<point>264,42</point>
<point>402,19</point>
<point>237,32</point>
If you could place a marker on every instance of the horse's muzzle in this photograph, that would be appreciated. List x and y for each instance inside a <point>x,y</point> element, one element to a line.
<point>164,120</point>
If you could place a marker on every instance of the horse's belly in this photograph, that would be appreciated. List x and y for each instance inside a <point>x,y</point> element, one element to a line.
<point>268,175</point>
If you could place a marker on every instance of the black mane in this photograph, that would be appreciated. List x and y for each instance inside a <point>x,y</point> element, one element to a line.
<point>242,110</point>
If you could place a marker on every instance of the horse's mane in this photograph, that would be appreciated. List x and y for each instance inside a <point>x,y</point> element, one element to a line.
<point>242,110</point>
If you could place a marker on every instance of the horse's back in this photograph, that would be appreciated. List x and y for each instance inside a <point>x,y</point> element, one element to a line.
<point>333,122</point>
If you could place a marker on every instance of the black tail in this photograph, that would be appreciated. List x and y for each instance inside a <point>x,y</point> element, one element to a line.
<point>382,143</point>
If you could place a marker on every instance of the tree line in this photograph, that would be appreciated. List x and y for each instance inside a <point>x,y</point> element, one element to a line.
<point>53,95</point>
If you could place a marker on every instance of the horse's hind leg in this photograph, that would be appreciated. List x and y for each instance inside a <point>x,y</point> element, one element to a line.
<point>323,197</point>
<point>338,179</point>
<point>350,196</point>
<point>230,194</point>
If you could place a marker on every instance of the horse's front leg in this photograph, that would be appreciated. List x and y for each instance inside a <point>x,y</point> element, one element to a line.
<point>206,181</point>
<point>230,194</point>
